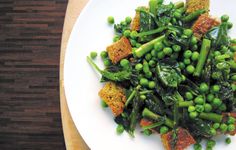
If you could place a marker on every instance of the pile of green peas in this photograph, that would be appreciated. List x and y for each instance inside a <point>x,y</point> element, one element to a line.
<point>208,101</point>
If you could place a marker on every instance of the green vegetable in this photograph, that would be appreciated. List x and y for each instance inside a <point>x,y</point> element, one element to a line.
<point>103,104</point>
<point>128,20</point>
<point>103,54</point>
<point>168,73</point>
<point>189,95</point>
<point>167,51</point>
<point>119,129</point>
<point>231,120</point>
<point>227,140</point>
<point>139,67</point>
<point>190,69</point>
<point>185,104</point>
<point>199,100</point>
<point>231,127</point>
<point>191,109</point>
<point>164,130</point>
<point>216,102</point>
<point>193,114</point>
<point>216,125</point>
<point>188,32</point>
<point>206,44</point>
<point>110,20</point>
<point>144,82</point>
<point>151,85</point>
<point>223,127</point>
<point>224,18</point>
<point>211,116</point>
<point>194,15</point>
<point>176,48</point>
<point>93,55</point>
<point>113,76</point>
<point>148,114</point>
<point>187,54</point>
<point>204,87</point>
<point>145,48</point>
<point>195,56</point>
<point>197,146</point>
<point>124,63</point>
<point>207,107</point>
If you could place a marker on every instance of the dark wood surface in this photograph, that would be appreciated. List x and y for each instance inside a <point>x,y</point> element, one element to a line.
<point>30,37</point>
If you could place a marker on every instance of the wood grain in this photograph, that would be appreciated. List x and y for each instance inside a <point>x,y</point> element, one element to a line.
<point>30,38</point>
<point>73,139</point>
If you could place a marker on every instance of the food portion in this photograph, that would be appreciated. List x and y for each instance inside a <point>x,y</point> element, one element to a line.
<point>171,70</point>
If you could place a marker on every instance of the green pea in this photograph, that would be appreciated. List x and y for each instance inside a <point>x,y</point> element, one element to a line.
<point>224,18</point>
<point>158,46</point>
<point>190,69</point>
<point>193,114</point>
<point>216,102</point>
<point>167,51</point>
<point>197,146</point>
<point>116,38</point>
<point>223,127</point>
<point>204,87</point>
<point>231,120</point>
<point>187,54</point>
<point>207,107</point>
<point>93,55</point>
<point>213,131</point>
<point>233,78</point>
<point>160,55</point>
<point>215,88</point>
<point>181,65</point>
<point>188,32</point>
<point>193,41</point>
<point>233,41</point>
<point>120,129</point>
<point>176,48</point>
<point>211,143</point>
<point>231,127</point>
<point>139,67</point>
<point>199,100</point>
<point>153,53</point>
<point>111,20</point>
<point>222,107</point>
<point>134,35</point>
<point>164,130</point>
<point>103,54</point>
<point>216,125</point>
<point>103,104</point>
<point>148,74</point>
<point>128,20</point>
<point>107,62</point>
<point>148,56</point>
<point>126,33</point>
<point>189,95</point>
<point>199,108</point>
<point>195,56</point>
<point>152,63</point>
<point>151,85</point>
<point>191,109</point>
<point>124,63</point>
<point>143,97</point>
<point>210,97</point>
<point>143,82</point>
<point>147,132</point>
<point>187,61</point>
<point>227,140</point>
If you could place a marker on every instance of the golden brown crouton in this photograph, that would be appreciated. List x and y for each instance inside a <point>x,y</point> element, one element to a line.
<point>193,5</point>
<point>114,96</point>
<point>184,139</point>
<point>119,50</point>
<point>135,24</point>
<point>203,24</point>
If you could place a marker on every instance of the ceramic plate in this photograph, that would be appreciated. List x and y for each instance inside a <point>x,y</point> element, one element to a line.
<point>92,33</point>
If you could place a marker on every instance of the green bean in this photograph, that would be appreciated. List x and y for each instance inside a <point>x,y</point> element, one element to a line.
<point>206,44</point>
<point>155,31</point>
<point>179,4</point>
<point>211,117</point>
<point>147,47</point>
<point>194,15</point>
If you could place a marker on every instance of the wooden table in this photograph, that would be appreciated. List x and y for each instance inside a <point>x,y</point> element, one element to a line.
<point>72,137</point>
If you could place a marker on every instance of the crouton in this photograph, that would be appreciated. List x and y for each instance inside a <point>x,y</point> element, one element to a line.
<point>119,50</point>
<point>145,122</point>
<point>135,24</point>
<point>193,5</point>
<point>203,24</point>
<point>114,96</point>
<point>184,139</point>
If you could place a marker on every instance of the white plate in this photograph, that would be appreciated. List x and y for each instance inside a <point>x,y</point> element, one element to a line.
<point>92,33</point>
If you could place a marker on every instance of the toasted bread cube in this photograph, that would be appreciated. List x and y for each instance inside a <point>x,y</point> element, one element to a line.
<point>193,5</point>
<point>114,96</point>
<point>135,24</point>
<point>203,24</point>
<point>119,50</point>
<point>184,139</point>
